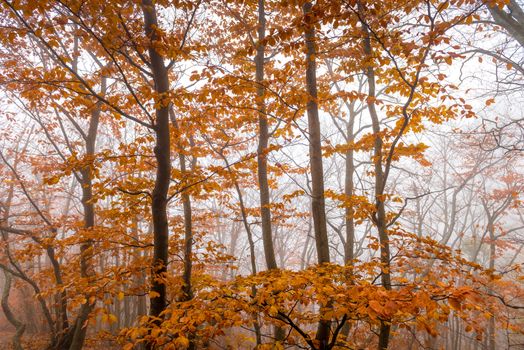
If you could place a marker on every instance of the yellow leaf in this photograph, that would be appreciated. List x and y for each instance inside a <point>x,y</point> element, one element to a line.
<point>155,332</point>
<point>273,310</point>
<point>454,303</point>
<point>375,306</point>
<point>109,318</point>
<point>52,180</point>
<point>182,342</point>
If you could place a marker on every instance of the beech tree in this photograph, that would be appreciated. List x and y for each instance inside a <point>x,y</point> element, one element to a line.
<point>260,174</point>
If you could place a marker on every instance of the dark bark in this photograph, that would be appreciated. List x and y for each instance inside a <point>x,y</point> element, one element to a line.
<point>162,153</point>
<point>140,279</point>
<point>263,140</point>
<point>187,289</point>
<point>62,321</point>
<point>19,326</point>
<point>379,217</point>
<point>315,147</point>
<point>315,157</point>
<point>86,248</point>
<point>492,256</point>
<point>349,250</point>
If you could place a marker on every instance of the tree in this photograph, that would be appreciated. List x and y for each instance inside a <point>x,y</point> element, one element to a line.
<point>265,174</point>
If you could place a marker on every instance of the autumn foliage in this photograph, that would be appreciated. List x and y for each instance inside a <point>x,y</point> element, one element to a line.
<point>261,174</point>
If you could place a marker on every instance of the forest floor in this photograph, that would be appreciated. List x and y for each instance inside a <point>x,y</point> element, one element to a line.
<point>30,342</point>
<point>40,341</point>
<point>5,339</point>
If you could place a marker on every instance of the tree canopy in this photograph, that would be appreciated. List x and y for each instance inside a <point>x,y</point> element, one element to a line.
<point>218,174</point>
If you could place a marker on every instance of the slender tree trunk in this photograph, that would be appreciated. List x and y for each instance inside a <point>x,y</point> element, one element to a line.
<point>117,304</point>
<point>305,249</point>
<point>86,248</point>
<point>127,309</point>
<point>251,243</point>
<point>315,156</point>
<point>315,147</point>
<point>62,321</point>
<point>492,252</point>
<point>379,217</point>
<point>162,152</point>
<point>349,250</point>
<point>140,280</point>
<point>187,289</point>
<point>263,140</point>
<point>349,190</point>
<point>19,326</point>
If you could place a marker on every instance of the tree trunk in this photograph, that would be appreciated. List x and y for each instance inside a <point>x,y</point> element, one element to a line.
<point>86,248</point>
<point>140,279</point>
<point>19,326</point>
<point>187,289</point>
<point>263,139</point>
<point>315,147</point>
<point>315,156</point>
<point>251,243</point>
<point>162,152</point>
<point>379,217</point>
<point>349,252</point>
<point>492,251</point>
